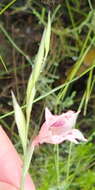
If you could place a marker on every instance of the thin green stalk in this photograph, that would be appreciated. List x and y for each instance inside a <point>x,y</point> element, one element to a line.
<point>86,41</point>
<point>88,90</point>
<point>90,4</point>
<point>72,20</point>
<point>55,12</point>
<point>2,61</point>
<point>26,164</point>
<point>71,145</point>
<point>68,162</point>
<point>93,82</point>
<point>82,101</point>
<point>57,166</point>
<point>7,6</point>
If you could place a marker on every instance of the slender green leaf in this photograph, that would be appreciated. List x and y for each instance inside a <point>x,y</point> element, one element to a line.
<point>20,121</point>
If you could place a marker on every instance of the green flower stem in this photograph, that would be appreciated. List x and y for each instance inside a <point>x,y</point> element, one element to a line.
<point>71,145</point>
<point>68,163</point>
<point>27,160</point>
<point>57,166</point>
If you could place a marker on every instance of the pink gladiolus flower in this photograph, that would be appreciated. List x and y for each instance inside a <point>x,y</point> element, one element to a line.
<point>11,166</point>
<point>58,128</point>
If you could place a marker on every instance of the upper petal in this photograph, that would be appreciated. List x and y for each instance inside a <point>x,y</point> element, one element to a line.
<point>66,120</point>
<point>48,114</point>
<point>52,119</point>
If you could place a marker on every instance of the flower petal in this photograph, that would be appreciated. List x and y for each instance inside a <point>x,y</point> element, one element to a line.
<point>48,115</point>
<point>75,136</point>
<point>78,135</point>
